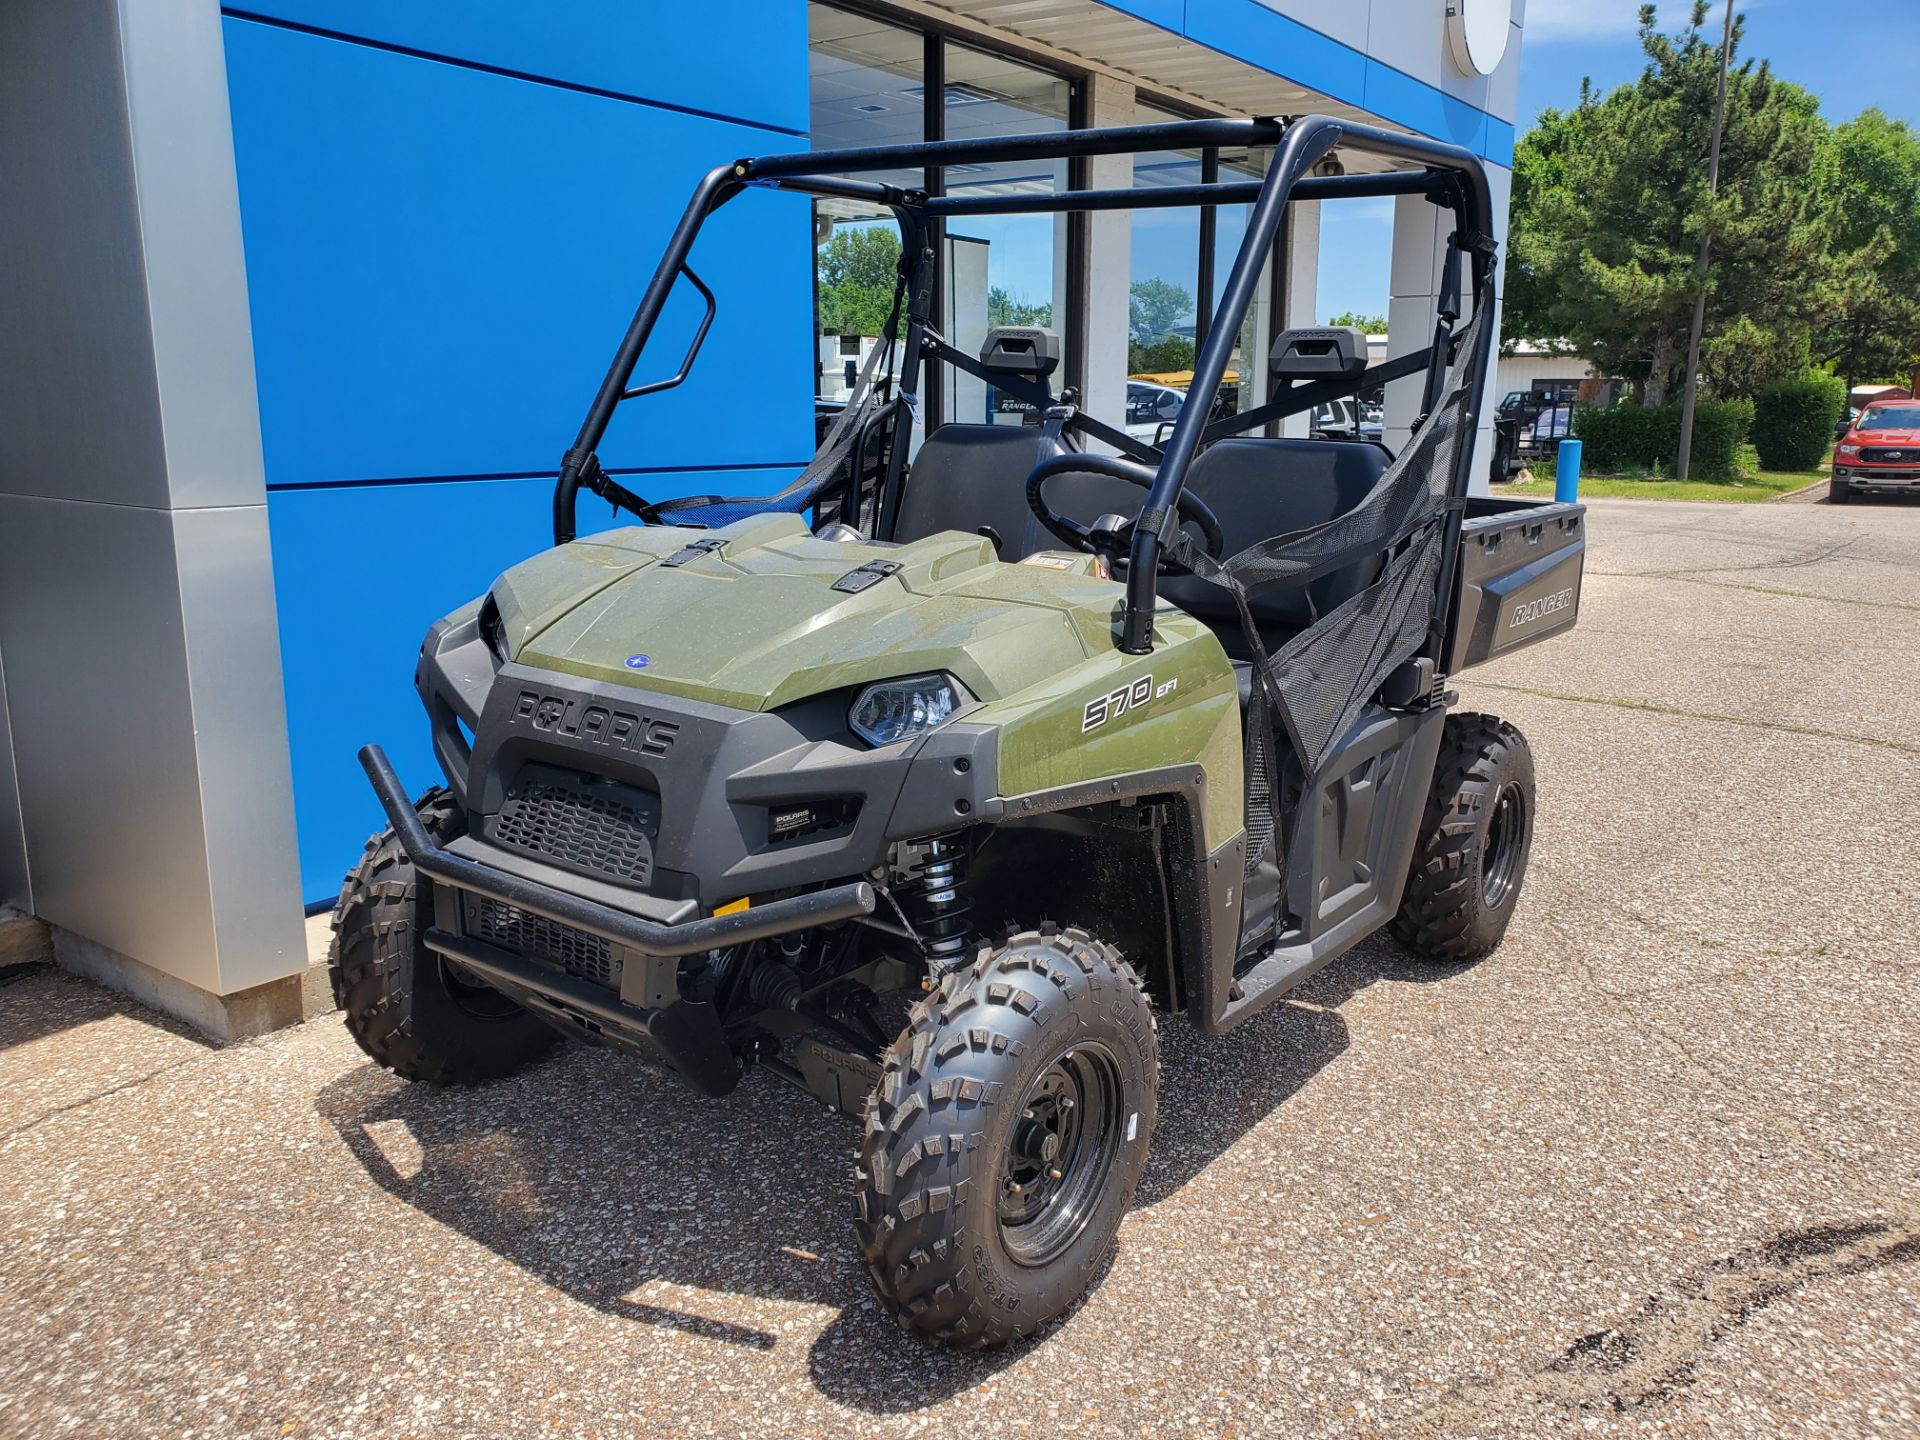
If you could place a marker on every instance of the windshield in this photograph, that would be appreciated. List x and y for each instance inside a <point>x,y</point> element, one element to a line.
<point>1891,417</point>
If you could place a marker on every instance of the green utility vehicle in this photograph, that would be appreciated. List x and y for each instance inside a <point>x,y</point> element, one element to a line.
<point>928,782</point>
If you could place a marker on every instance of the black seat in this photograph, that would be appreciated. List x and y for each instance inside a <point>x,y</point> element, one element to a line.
<point>973,478</point>
<point>1262,488</point>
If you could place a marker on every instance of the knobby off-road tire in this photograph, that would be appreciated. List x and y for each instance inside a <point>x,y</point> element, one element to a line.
<point>1039,1057</point>
<point>1475,839</point>
<point>401,1003</point>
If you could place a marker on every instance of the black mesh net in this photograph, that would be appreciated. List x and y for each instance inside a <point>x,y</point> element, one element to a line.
<point>1316,683</point>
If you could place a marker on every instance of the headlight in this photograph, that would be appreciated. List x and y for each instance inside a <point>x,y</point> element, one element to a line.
<point>1849,449</point>
<point>901,709</point>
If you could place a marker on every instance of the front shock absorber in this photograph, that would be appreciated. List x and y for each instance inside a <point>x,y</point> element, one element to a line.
<point>935,900</point>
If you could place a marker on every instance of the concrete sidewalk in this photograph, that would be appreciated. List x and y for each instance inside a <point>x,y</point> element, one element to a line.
<point>1652,1168</point>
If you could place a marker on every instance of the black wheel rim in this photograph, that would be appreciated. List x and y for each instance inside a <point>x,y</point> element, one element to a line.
<point>476,998</point>
<point>1506,836</point>
<point>1065,1138</point>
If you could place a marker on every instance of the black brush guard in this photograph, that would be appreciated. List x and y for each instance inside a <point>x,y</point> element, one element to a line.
<point>684,1033</point>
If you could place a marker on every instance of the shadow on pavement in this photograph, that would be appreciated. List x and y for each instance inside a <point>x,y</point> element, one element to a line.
<point>612,1182</point>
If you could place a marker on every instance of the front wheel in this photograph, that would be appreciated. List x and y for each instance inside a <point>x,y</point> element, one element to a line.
<point>1839,492</point>
<point>1475,839</point>
<point>1006,1137</point>
<point>404,1005</point>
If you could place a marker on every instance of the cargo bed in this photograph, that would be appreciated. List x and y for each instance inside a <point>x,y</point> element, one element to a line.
<point>1518,579</point>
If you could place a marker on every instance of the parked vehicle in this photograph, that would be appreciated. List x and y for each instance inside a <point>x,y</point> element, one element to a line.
<point>1880,454</point>
<point>1527,427</point>
<point>1347,419</point>
<point>928,783</point>
<point>1152,409</point>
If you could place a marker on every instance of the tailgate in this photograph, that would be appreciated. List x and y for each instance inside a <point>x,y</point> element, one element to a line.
<point>1519,576</point>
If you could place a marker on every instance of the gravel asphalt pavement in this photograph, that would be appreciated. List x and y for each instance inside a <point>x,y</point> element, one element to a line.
<point>1653,1168</point>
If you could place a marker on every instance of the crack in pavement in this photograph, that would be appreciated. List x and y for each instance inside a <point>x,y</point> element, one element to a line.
<point>1681,571</point>
<point>1649,1357</point>
<point>1680,712</point>
<point>17,1131</point>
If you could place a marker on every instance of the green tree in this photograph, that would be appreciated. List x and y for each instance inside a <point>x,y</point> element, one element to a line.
<point>857,270</point>
<point>1005,308</point>
<point>1610,201</point>
<point>1870,183</point>
<point>1372,324</point>
<point>1154,308</point>
<point>1159,357</point>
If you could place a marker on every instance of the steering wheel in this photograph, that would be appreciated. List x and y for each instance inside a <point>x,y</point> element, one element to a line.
<point>1114,543</point>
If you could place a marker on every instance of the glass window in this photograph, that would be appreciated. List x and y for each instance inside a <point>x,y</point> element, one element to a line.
<point>1001,269</point>
<point>1164,250</point>
<point>867,88</point>
<point>1245,385</point>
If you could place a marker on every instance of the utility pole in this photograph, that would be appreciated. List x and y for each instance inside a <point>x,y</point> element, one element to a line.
<point>1691,393</point>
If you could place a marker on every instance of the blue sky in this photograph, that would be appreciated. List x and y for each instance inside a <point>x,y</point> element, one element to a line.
<point>1850,57</point>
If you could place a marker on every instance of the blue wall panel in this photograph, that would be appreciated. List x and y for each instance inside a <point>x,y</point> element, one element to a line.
<point>441,260</point>
<point>743,59</point>
<point>361,572</point>
<point>1247,30</point>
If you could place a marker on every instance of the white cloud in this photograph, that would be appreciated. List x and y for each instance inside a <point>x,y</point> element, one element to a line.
<point>1373,210</point>
<point>1586,19</point>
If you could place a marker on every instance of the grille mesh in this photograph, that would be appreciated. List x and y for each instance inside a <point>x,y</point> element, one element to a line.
<point>1881,454</point>
<point>593,826</point>
<point>546,942</point>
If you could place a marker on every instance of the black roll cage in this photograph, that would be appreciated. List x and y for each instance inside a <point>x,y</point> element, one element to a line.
<point>1448,176</point>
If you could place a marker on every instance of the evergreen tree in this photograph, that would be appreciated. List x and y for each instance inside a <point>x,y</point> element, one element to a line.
<point>1610,202</point>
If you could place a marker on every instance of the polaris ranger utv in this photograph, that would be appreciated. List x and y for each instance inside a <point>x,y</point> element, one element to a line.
<point>1017,741</point>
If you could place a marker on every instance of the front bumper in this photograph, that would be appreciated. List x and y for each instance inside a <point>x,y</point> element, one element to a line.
<point>648,1010</point>
<point>1878,477</point>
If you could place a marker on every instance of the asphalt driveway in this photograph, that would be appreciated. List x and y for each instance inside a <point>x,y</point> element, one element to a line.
<point>1652,1168</point>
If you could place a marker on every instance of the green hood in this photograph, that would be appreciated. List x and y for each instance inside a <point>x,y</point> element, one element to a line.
<point>759,624</point>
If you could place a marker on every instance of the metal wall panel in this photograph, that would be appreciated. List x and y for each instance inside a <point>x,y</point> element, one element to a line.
<point>353,612</point>
<point>735,60</point>
<point>441,261</point>
<point>240,741</point>
<point>136,604</point>
<point>79,414</point>
<point>103,729</point>
<point>16,881</point>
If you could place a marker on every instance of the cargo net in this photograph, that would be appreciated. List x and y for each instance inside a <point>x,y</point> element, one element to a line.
<point>1318,681</point>
<point>827,480</point>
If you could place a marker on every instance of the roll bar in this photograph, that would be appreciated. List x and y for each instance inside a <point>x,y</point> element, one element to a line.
<point>1448,175</point>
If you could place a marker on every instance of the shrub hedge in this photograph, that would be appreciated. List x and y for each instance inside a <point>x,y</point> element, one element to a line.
<point>1628,436</point>
<point>1793,421</point>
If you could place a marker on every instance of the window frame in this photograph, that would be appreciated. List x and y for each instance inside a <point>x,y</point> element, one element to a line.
<point>936,37</point>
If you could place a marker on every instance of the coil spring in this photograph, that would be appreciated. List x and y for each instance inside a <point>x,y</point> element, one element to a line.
<point>935,897</point>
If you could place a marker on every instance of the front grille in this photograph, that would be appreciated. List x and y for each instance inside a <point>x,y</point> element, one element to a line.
<point>1890,454</point>
<point>581,821</point>
<point>547,942</point>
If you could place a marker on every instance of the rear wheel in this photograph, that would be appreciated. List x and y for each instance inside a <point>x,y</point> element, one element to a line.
<point>1475,840</point>
<point>404,1005</point>
<point>1006,1137</point>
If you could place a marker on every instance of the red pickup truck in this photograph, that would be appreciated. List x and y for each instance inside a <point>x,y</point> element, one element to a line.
<point>1880,452</point>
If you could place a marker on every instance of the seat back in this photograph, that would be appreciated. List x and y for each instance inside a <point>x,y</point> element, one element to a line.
<point>973,478</point>
<point>1261,488</point>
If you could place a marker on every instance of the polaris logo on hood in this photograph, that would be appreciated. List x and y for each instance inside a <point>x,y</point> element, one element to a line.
<point>594,723</point>
<point>1532,610</point>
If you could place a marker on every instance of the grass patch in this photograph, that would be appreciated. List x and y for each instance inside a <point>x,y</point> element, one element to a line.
<point>1763,485</point>
<point>1751,484</point>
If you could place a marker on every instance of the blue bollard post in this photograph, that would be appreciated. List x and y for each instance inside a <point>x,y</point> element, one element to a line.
<point>1566,478</point>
